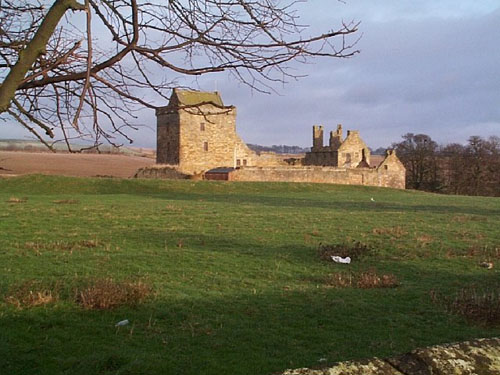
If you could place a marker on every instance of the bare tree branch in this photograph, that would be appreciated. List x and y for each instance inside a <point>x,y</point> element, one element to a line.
<point>144,48</point>
<point>35,48</point>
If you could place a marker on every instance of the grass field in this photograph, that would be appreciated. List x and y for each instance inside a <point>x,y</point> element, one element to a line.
<point>226,278</point>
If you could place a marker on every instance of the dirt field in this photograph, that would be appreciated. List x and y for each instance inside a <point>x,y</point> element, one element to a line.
<point>14,163</point>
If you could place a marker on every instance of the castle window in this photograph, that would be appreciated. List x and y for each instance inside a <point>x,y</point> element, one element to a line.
<point>202,126</point>
<point>238,162</point>
<point>205,146</point>
<point>244,161</point>
<point>386,167</point>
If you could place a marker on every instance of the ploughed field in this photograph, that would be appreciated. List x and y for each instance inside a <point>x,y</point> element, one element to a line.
<point>80,165</point>
<point>236,278</point>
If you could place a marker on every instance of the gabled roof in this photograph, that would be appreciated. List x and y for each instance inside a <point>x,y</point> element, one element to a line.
<point>193,98</point>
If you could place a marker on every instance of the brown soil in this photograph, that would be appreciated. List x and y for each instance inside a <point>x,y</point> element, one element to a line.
<point>14,163</point>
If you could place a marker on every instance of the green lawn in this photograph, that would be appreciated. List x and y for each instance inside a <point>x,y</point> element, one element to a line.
<point>237,284</point>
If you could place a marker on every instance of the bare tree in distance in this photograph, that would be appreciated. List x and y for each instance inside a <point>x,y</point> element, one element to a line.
<point>474,169</point>
<point>471,169</point>
<point>80,68</point>
<point>418,152</point>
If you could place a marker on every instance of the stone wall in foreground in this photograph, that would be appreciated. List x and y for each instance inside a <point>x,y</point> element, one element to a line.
<point>475,357</point>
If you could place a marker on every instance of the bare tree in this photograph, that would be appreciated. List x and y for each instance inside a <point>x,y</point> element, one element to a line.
<point>479,167</point>
<point>418,152</point>
<point>453,161</point>
<point>82,67</point>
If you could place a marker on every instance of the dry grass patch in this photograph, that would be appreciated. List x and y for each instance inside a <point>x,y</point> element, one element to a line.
<point>424,239</point>
<point>370,279</point>
<point>106,294</point>
<point>32,293</point>
<point>396,231</point>
<point>16,200</point>
<point>485,253</point>
<point>70,246</point>
<point>365,280</point>
<point>466,218</point>
<point>354,250</point>
<point>172,208</point>
<point>481,306</point>
<point>66,201</point>
<point>339,280</point>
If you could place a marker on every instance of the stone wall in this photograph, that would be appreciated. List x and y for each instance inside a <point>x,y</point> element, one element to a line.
<point>160,172</point>
<point>359,176</point>
<point>324,157</point>
<point>475,357</point>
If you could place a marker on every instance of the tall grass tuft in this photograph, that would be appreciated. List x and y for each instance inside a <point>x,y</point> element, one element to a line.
<point>365,280</point>
<point>475,305</point>
<point>32,293</point>
<point>106,294</point>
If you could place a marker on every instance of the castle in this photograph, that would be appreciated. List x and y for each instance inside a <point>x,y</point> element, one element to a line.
<point>196,134</point>
<point>347,153</point>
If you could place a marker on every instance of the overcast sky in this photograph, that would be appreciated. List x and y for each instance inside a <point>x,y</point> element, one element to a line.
<point>428,67</point>
<point>425,66</point>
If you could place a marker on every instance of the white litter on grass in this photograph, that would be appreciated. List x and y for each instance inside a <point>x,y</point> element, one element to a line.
<point>373,200</point>
<point>338,259</point>
<point>122,323</point>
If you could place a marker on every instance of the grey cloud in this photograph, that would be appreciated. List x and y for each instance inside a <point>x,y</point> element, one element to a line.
<point>430,74</point>
<point>434,71</point>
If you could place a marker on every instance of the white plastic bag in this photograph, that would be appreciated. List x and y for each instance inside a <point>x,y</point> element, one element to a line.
<point>338,259</point>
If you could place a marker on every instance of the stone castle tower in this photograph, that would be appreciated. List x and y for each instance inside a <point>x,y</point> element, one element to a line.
<point>350,152</point>
<point>197,132</point>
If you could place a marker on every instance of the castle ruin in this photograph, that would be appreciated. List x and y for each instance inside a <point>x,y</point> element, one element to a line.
<point>344,153</point>
<point>197,133</point>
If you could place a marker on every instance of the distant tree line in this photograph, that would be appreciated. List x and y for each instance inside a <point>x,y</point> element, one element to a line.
<point>471,169</point>
<point>378,151</point>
